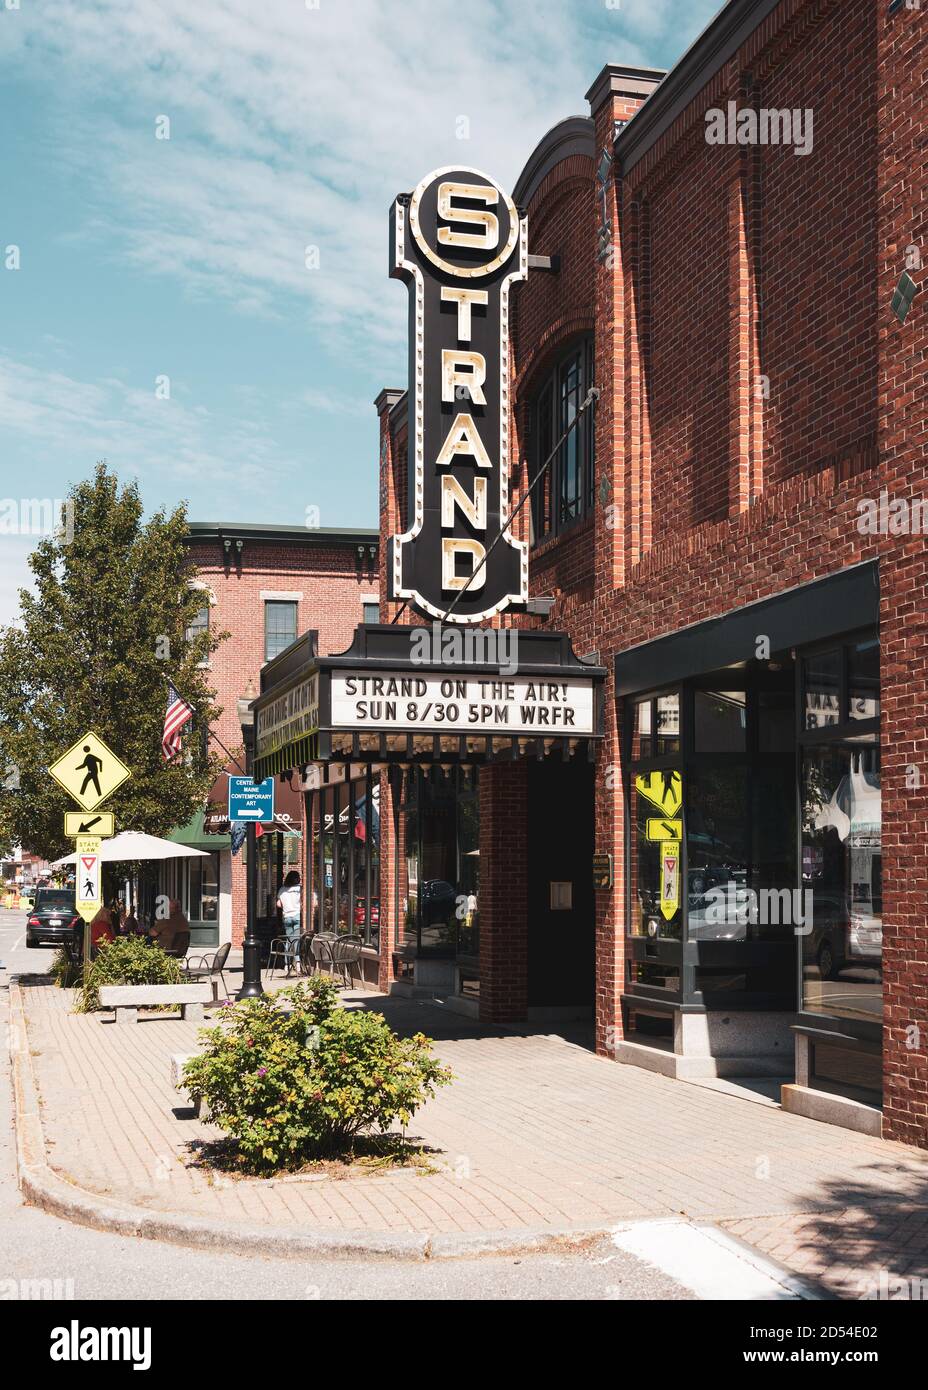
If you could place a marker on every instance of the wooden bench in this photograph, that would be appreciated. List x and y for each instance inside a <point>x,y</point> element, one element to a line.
<point>127,999</point>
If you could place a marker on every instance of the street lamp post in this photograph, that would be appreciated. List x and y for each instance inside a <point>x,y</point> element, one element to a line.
<point>251,949</point>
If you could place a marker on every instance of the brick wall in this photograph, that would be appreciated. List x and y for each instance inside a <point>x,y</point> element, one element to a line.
<point>733,264</point>
<point>332,587</point>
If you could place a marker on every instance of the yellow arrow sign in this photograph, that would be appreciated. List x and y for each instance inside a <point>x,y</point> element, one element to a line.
<point>665,830</point>
<point>89,771</point>
<point>663,789</point>
<point>87,876</point>
<point>102,823</point>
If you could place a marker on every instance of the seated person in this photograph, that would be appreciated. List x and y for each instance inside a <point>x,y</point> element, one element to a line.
<point>166,930</point>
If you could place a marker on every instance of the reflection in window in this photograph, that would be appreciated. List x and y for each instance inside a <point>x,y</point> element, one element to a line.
<point>863,679</point>
<point>720,724</point>
<point>279,627</point>
<point>842,865</point>
<point>822,687</point>
<point>203,890</point>
<point>668,725</point>
<point>649,917</point>
<point>565,491</point>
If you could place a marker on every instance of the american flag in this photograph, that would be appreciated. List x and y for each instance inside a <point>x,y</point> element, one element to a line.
<point>178,712</point>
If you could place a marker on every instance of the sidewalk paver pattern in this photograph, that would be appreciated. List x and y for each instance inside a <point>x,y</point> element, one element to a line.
<point>535,1131</point>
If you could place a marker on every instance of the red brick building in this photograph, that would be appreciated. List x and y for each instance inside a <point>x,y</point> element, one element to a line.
<point>738,543</point>
<point>264,586</point>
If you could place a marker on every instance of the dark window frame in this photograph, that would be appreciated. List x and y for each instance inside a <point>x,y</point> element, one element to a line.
<point>567,494</point>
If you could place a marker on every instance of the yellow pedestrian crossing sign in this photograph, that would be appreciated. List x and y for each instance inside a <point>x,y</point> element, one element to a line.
<point>87,876</point>
<point>102,823</point>
<point>661,830</point>
<point>89,771</point>
<point>663,789</point>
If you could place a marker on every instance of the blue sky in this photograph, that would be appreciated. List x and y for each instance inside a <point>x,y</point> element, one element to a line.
<point>292,124</point>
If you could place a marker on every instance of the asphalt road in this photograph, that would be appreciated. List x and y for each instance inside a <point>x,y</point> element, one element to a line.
<point>90,1264</point>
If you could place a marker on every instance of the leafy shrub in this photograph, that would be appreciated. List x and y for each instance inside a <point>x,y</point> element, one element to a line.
<point>297,1084</point>
<point>129,960</point>
<point>64,972</point>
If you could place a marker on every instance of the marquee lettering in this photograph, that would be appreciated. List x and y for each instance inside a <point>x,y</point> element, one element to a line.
<point>458,227</point>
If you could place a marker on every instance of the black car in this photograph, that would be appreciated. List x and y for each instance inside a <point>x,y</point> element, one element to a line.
<point>53,919</point>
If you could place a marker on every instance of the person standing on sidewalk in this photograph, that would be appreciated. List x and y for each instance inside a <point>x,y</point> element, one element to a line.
<point>288,901</point>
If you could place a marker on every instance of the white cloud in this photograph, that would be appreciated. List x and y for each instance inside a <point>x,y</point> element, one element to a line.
<point>52,415</point>
<point>293,126</point>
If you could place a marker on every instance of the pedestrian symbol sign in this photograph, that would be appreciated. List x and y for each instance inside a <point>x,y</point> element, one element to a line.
<point>663,789</point>
<point>89,771</point>
<point>87,876</point>
<point>670,878</point>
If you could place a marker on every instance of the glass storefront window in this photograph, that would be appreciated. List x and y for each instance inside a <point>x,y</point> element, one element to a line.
<point>863,679</point>
<point>842,869</point>
<point>653,913</point>
<point>668,725</point>
<point>821,675</point>
<point>776,721</point>
<point>720,724</point>
<point>641,730</point>
<point>204,889</point>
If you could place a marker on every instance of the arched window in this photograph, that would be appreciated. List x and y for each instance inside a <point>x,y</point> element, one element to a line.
<point>565,493</point>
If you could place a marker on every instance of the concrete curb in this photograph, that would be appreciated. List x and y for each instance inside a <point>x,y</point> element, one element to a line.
<point>44,1188</point>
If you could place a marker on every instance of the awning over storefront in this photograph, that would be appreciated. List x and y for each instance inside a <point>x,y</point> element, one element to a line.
<point>808,613</point>
<point>436,694</point>
<point>196,835</point>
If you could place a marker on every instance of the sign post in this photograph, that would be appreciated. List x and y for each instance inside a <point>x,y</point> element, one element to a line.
<point>89,772</point>
<point>87,887</point>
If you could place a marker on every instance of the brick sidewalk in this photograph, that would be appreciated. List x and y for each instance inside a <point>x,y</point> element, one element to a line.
<point>535,1131</point>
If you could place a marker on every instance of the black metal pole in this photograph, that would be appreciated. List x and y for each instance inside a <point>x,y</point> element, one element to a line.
<point>251,949</point>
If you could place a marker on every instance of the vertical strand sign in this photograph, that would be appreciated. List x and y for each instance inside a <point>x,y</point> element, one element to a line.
<point>460,244</point>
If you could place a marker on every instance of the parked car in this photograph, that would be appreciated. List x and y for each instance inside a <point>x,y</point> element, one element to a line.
<point>53,919</point>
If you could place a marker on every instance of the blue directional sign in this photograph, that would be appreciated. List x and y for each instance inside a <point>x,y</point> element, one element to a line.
<point>250,800</point>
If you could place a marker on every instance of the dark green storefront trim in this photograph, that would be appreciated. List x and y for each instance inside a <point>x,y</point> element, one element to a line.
<point>194,835</point>
<point>303,750</point>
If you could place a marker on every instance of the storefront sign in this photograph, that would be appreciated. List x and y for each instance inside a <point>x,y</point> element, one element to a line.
<point>602,870</point>
<point>459,245</point>
<point>479,704</point>
<point>250,800</point>
<point>291,716</point>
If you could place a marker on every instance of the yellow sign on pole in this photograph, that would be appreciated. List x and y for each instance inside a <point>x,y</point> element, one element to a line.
<point>670,878</point>
<point>89,771</point>
<point>87,876</point>
<point>663,789</point>
<point>665,830</point>
<point>101,823</point>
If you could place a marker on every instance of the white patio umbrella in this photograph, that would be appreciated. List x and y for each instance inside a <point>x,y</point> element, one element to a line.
<point>135,845</point>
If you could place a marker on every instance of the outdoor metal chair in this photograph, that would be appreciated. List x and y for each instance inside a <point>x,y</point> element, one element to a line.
<point>321,946</point>
<point>346,952</point>
<point>209,965</point>
<point>280,955</point>
<point>181,944</point>
<point>307,959</point>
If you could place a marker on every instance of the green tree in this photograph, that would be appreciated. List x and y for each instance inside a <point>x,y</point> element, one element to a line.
<point>94,649</point>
